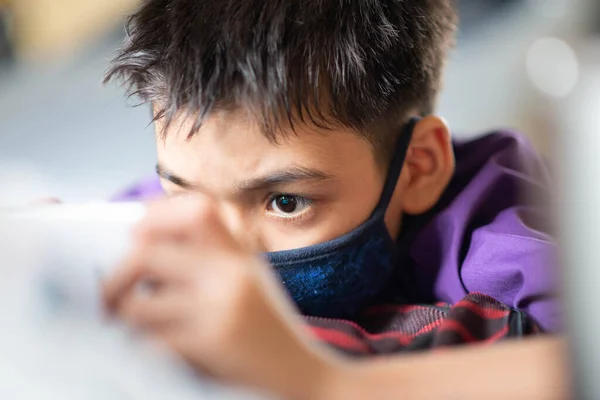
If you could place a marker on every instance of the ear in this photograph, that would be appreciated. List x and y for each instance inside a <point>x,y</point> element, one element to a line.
<point>428,167</point>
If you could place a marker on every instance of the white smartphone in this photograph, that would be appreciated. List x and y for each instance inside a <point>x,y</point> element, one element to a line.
<point>67,249</point>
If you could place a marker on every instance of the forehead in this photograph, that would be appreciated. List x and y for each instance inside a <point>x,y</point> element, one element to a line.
<point>230,146</point>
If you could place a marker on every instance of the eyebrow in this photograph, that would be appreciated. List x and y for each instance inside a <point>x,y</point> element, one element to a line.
<point>166,175</point>
<point>281,177</point>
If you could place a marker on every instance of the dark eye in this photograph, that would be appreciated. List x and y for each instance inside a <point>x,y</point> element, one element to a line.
<point>288,206</point>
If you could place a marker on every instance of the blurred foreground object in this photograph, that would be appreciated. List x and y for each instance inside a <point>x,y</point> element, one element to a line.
<point>576,122</point>
<point>49,28</point>
<point>54,339</point>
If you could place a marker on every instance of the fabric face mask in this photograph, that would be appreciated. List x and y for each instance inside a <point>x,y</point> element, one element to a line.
<point>338,278</point>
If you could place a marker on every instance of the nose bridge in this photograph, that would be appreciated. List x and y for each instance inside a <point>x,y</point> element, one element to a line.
<point>243,225</point>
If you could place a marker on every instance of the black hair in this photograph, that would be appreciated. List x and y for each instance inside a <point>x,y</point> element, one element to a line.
<point>360,64</point>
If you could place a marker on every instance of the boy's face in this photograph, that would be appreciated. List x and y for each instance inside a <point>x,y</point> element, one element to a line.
<point>307,189</point>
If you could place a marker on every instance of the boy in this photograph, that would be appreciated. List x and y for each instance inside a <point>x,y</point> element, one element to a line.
<point>304,131</point>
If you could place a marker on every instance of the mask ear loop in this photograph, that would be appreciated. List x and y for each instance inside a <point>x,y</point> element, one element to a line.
<point>396,165</point>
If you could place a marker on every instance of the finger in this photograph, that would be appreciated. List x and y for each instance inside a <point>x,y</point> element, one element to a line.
<point>195,218</point>
<point>162,264</point>
<point>174,214</point>
<point>154,310</point>
<point>122,281</point>
<point>182,343</point>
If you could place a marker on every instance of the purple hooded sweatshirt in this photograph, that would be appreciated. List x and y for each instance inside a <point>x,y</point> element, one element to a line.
<point>485,235</point>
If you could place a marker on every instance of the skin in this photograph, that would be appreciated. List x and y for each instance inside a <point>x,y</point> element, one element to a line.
<point>344,191</point>
<point>219,306</point>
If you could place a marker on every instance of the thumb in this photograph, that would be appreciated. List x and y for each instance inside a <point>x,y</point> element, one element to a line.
<point>192,218</point>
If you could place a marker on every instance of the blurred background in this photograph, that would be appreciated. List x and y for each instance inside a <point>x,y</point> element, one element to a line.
<point>78,140</point>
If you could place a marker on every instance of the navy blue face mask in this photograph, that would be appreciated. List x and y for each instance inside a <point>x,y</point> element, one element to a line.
<point>338,278</point>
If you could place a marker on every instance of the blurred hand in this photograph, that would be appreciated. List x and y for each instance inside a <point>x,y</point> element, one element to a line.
<point>212,301</point>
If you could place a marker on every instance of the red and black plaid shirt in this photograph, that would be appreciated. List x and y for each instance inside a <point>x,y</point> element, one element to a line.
<point>400,328</point>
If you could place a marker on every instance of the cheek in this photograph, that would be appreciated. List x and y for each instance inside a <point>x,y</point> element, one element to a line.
<point>361,195</point>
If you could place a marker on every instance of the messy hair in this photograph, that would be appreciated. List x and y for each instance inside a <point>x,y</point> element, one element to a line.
<point>359,64</point>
